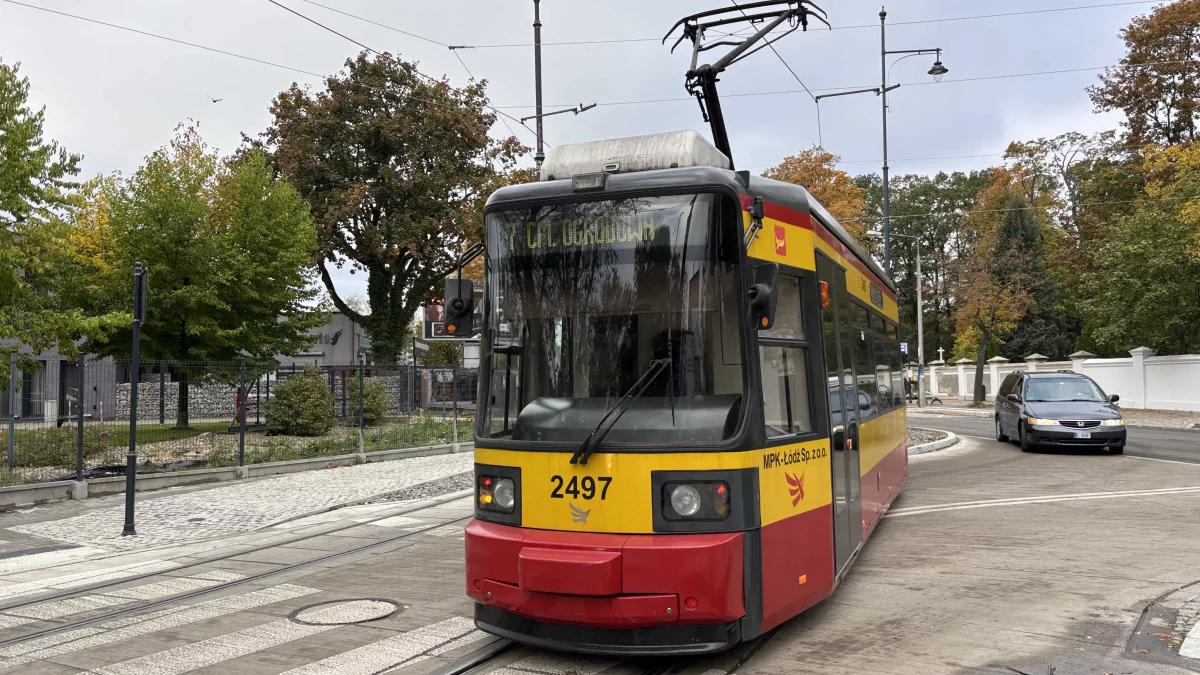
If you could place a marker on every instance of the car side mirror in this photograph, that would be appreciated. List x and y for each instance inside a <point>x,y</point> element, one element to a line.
<point>1014,398</point>
<point>763,296</point>
<point>1114,398</point>
<point>460,307</point>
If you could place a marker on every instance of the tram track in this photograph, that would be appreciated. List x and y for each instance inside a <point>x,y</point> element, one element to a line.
<point>401,511</point>
<point>149,605</point>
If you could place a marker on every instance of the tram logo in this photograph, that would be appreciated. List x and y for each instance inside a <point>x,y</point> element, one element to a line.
<point>796,491</point>
<point>780,240</point>
<point>578,515</point>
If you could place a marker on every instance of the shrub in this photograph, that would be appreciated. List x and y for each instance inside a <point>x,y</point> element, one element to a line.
<point>56,446</point>
<point>375,401</point>
<point>302,405</point>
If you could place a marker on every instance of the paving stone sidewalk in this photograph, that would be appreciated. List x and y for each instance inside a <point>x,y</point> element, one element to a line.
<point>243,507</point>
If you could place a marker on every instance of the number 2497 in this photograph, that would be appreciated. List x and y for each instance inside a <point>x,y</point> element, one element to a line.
<point>577,487</point>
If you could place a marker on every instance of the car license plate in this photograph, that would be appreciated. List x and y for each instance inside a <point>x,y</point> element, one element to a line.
<point>1083,434</point>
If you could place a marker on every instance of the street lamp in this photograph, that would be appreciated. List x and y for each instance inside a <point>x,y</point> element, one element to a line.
<point>937,71</point>
<point>920,318</point>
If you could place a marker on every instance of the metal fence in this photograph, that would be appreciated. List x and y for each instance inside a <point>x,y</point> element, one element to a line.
<point>71,420</point>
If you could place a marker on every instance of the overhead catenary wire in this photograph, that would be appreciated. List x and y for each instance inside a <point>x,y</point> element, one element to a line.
<point>820,139</point>
<point>376,52</point>
<point>969,212</point>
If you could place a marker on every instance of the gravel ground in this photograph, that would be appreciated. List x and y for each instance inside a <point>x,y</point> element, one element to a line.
<point>923,436</point>
<point>436,488</point>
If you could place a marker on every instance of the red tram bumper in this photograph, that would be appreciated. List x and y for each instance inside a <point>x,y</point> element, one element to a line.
<point>607,593</point>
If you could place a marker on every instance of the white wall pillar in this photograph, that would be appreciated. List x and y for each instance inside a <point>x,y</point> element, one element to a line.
<point>934,368</point>
<point>964,387</point>
<point>1033,361</point>
<point>1078,358</point>
<point>1139,375</point>
<point>994,364</point>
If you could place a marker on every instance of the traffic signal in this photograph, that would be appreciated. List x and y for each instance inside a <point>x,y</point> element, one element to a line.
<point>460,307</point>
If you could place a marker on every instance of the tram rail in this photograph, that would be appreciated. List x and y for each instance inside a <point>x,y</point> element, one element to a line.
<point>149,605</point>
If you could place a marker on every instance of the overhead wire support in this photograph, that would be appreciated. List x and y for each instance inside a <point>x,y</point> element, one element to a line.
<point>576,110</point>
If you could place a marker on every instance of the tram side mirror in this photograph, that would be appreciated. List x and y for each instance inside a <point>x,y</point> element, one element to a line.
<point>764,296</point>
<point>460,307</point>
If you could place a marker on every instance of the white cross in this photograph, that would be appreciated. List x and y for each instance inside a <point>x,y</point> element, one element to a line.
<point>941,354</point>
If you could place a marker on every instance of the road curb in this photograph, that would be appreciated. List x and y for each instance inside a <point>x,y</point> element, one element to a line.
<point>926,448</point>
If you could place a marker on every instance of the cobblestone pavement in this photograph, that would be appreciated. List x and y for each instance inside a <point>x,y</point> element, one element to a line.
<point>243,507</point>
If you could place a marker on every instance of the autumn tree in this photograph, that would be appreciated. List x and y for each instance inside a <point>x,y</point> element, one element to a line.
<point>815,169</point>
<point>997,280</point>
<point>35,252</point>
<point>933,209</point>
<point>229,247</point>
<point>1157,84</point>
<point>396,167</point>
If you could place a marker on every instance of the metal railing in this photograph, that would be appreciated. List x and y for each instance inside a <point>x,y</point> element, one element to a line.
<point>69,420</point>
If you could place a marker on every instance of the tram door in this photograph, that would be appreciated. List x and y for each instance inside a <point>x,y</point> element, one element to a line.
<point>843,411</point>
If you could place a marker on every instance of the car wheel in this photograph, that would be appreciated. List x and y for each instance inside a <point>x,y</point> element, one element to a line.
<point>1025,444</point>
<point>1117,450</point>
<point>1000,431</point>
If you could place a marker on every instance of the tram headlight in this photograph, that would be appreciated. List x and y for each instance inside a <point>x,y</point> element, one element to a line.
<point>685,499</point>
<point>497,494</point>
<point>707,500</point>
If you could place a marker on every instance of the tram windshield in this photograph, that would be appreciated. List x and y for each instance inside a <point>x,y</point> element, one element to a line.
<point>587,300</point>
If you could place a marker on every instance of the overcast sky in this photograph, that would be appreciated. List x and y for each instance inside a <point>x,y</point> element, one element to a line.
<point>114,95</point>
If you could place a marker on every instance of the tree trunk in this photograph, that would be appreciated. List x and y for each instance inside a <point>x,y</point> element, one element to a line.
<point>979,360</point>
<point>181,416</point>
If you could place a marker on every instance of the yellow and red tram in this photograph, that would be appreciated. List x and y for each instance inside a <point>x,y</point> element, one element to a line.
<point>691,408</point>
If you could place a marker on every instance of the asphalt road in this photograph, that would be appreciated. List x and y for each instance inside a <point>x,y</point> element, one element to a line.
<point>1180,445</point>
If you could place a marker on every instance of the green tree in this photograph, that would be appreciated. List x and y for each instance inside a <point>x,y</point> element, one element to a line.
<point>1150,266</point>
<point>1157,84</point>
<point>229,247</point>
<point>35,251</point>
<point>396,167</point>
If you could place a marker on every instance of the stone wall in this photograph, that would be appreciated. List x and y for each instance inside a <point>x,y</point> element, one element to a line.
<point>204,400</point>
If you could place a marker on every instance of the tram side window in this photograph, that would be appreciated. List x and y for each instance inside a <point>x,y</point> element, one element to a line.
<point>785,390</point>
<point>883,377</point>
<point>864,366</point>
<point>897,372</point>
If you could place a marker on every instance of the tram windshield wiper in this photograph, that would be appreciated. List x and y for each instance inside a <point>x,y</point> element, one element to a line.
<point>585,450</point>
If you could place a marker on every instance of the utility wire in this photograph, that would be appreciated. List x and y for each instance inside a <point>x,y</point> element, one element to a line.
<point>318,23</point>
<point>373,51</point>
<point>607,103</point>
<point>1005,210</point>
<point>512,133</point>
<point>853,27</point>
<point>375,23</point>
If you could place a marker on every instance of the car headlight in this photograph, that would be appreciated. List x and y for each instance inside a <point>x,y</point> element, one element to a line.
<point>1042,423</point>
<point>497,494</point>
<point>702,500</point>
<point>1112,423</point>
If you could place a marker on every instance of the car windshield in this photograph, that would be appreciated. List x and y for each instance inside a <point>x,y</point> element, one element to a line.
<point>1062,389</point>
<point>585,299</point>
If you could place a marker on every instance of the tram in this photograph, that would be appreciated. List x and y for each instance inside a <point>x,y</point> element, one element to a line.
<point>691,410</point>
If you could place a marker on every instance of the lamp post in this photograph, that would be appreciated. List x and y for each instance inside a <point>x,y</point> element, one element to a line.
<point>920,318</point>
<point>938,71</point>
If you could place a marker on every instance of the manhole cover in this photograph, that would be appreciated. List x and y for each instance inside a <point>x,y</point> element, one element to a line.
<point>341,612</point>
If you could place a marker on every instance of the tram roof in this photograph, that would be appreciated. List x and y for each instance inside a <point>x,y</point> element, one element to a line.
<point>698,178</point>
